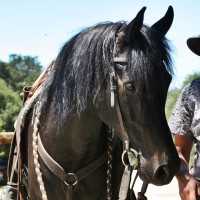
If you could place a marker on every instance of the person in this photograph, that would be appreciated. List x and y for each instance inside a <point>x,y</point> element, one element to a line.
<point>184,123</point>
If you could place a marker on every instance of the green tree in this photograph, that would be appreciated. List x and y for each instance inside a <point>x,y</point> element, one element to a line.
<point>171,100</point>
<point>4,69</point>
<point>20,71</point>
<point>10,104</point>
<point>189,78</point>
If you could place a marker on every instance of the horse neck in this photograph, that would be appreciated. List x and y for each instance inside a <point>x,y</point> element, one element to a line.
<point>80,140</point>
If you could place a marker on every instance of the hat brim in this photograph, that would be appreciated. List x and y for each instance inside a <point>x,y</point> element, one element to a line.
<point>194,44</point>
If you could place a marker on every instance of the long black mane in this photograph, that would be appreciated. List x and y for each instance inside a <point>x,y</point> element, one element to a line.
<point>87,59</point>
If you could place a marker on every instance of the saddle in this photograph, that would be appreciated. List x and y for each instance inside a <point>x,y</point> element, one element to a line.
<point>16,188</point>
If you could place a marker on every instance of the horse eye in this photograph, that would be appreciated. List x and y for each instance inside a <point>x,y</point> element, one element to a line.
<point>130,86</point>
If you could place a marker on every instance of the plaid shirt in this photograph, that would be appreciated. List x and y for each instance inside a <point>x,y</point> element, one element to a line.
<point>185,119</point>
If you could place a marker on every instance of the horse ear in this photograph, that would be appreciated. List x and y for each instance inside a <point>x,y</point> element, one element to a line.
<point>134,26</point>
<point>164,24</point>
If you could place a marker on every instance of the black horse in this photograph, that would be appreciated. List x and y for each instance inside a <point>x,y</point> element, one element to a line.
<point>108,76</point>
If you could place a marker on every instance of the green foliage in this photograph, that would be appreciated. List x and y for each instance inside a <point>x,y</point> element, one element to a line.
<point>190,77</point>
<point>4,150</point>
<point>171,100</point>
<point>9,107</point>
<point>19,72</point>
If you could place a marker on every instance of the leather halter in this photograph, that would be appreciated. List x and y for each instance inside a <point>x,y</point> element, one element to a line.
<point>118,59</point>
<point>114,95</point>
<point>133,155</point>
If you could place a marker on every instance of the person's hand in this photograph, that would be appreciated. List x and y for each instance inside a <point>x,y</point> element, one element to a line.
<point>189,187</point>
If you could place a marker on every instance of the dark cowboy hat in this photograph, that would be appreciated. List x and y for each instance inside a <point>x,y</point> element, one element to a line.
<point>194,44</point>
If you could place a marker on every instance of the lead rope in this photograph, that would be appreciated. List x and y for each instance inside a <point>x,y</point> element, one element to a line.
<point>141,194</point>
<point>109,164</point>
<point>35,155</point>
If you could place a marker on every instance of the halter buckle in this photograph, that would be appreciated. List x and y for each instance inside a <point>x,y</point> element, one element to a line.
<point>120,60</point>
<point>113,87</point>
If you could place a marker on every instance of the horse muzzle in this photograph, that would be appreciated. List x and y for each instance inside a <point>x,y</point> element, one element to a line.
<point>158,173</point>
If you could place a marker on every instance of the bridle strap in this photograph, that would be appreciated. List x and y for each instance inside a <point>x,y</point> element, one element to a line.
<point>118,59</point>
<point>61,173</point>
<point>141,194</point>
<point>124,188</point>
<point>122,133</point>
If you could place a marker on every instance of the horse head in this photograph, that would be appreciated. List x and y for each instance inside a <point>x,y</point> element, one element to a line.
<point>134,104</point>
<point>116,74</point>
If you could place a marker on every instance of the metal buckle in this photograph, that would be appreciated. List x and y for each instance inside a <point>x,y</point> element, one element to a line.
<point>120,60</point>
<point>75,178</point>
<point>113,87</point>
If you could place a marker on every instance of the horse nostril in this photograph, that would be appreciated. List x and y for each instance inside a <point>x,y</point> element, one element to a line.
<point>162,172</point>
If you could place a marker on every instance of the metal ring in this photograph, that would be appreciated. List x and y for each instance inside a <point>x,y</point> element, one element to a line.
<point>75,177</point>
<point>135,153</point>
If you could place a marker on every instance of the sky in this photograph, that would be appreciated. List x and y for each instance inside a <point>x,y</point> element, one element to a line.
<point>40,28</point>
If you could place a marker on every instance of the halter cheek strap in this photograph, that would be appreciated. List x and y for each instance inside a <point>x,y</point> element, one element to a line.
<point>133,155</point>
<point>115,104</point>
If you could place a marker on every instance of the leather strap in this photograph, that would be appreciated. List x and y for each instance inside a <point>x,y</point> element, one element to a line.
<point>141,195</point>
<point>125,182</point>
<point>69,178</point>
<point>124,188</point>
<point>122,134</point>
<point>113,82</point>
